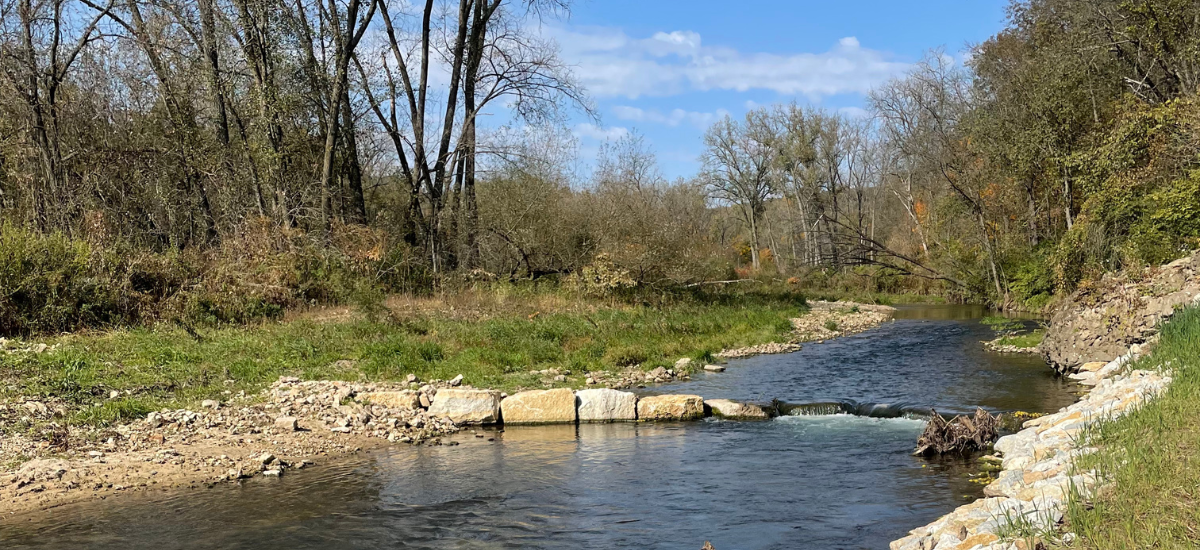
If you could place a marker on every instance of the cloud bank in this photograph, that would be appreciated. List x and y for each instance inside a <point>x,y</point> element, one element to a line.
<point>611,63</point>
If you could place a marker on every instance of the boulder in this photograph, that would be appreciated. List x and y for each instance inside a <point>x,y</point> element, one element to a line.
<point>605,405</point>
<point>404,399</point>
<point>714,368</point>
<point>538,407</point>
<point>732,409</point>
<point>670,407</point>
<point>467,406</point>
<point>287,423</point>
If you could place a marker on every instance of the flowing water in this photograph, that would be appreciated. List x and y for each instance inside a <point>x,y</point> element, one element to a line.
<point>807,480</point>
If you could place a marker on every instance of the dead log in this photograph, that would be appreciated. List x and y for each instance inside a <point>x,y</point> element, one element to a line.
<point>960,435</point>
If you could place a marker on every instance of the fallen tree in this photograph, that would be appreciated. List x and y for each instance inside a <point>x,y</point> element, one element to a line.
<point>960,435</point>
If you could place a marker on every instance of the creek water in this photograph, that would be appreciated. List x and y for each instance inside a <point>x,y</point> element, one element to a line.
<point>843,480</point>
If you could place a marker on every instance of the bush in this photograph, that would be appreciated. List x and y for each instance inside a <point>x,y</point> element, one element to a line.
<point>53,283</point>
<point>1140,184</point>
<point>47,284</point>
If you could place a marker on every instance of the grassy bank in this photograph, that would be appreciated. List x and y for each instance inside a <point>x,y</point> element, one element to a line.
<point>1152,458</point>
<point>493,339</point>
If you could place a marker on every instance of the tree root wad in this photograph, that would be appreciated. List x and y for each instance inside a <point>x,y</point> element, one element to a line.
<point>961,435</point>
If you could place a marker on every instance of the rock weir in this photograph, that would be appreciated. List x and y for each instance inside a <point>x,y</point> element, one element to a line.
<point>731,409</point>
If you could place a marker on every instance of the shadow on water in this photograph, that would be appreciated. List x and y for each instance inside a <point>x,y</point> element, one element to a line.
<point>822,481</point>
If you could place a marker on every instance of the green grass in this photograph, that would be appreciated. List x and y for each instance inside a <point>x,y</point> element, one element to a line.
<point>167,367</point>
<point>880,298</point>
<point>1151,457</point>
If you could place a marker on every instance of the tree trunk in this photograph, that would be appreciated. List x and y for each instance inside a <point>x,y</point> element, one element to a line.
<point>358,204</point>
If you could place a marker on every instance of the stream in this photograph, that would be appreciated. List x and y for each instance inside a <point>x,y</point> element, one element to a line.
<point>837,474</point>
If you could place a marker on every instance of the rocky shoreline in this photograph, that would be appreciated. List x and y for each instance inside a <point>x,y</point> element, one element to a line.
<point>996,346</point>
<point>295,424</point>
<point>1037,476</point>
<point>1092,337</point>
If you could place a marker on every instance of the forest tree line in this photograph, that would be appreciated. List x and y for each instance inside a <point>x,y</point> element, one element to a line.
<point>187,148</point>
<point>1064,147</point>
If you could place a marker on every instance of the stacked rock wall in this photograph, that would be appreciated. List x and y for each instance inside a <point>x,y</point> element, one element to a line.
<point>1103,320</point>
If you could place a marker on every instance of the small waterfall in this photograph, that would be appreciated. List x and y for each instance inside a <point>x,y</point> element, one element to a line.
<point>872,410</point>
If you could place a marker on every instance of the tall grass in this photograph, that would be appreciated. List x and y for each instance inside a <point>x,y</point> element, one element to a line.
<point>1151,458</point>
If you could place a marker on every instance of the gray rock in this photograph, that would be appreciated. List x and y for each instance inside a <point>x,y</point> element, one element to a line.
<point>714,368</point>
<point>287,423</point>
<point>733,409</point>
<point>605,405</point>
<point>467,406</point>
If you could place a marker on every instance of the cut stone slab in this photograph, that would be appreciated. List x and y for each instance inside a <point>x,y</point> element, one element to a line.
<point>714,368</point>
<point>732,409</point>
<point>605,405</point>
<point>467,406</point>
<point>670,407</point>
<point>555,406</point>
<point>404,399</point>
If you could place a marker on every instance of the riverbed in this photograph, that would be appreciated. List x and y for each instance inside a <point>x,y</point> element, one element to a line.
<point>836,475</point>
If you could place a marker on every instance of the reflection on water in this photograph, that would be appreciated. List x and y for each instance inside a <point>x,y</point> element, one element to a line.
<point>834,481</point>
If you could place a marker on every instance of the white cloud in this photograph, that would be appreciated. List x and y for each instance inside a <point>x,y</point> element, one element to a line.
<point>589,130</point>
<point>611,63</point>
<point>854,112</point>
<point>673,118</point>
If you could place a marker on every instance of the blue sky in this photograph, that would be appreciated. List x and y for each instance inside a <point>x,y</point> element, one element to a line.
<point>668,68</point>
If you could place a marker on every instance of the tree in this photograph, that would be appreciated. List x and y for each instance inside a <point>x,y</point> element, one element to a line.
<point>738,168</point>
<point>39,45</point>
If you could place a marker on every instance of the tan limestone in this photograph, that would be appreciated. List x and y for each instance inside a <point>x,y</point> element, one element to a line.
<point>555,406</point>
<point>670,407</point>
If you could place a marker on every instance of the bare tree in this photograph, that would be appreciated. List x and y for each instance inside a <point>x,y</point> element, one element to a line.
<point>38,46</point>
<point>738,169</point>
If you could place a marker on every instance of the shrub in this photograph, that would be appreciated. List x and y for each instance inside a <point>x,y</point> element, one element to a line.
<point>53,283</point>
<point>46,284</point>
